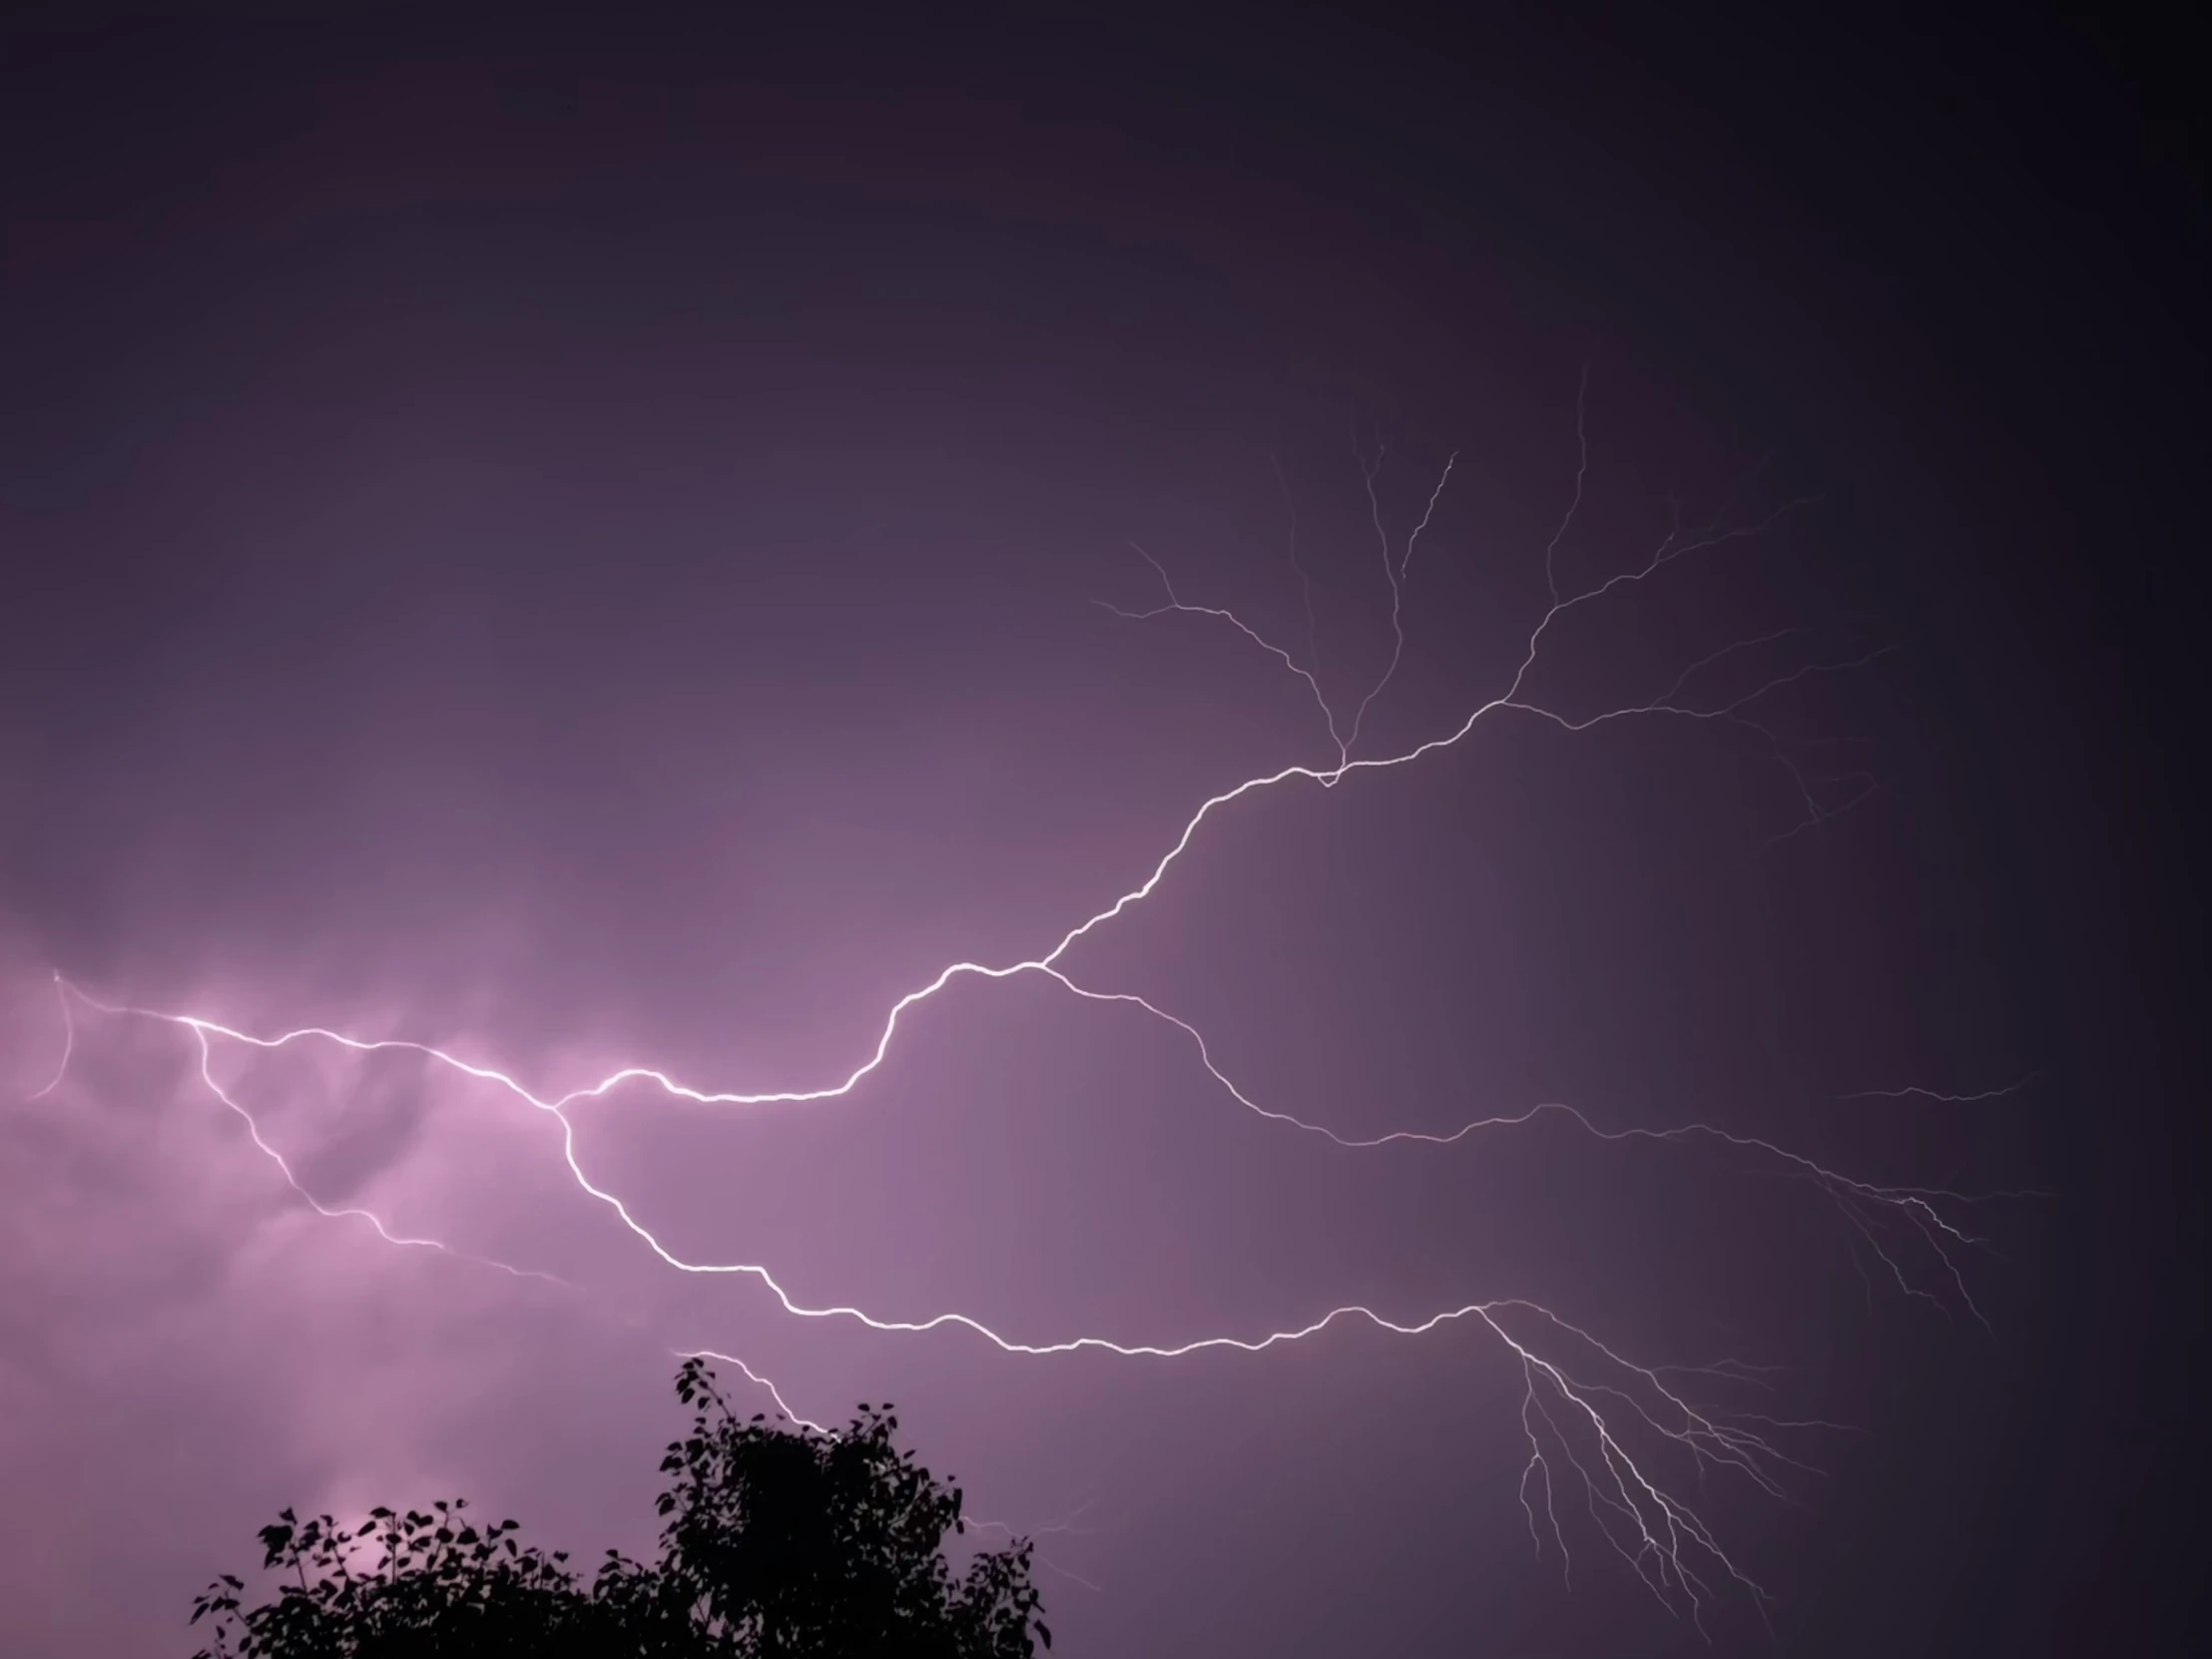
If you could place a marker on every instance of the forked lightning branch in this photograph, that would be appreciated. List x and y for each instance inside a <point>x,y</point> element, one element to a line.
<point>1615,1445</point>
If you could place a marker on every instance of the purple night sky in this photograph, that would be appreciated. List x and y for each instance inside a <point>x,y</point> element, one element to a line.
<point>606,553</point>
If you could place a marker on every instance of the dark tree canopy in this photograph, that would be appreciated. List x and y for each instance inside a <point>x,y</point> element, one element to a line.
<point>776,1543</point>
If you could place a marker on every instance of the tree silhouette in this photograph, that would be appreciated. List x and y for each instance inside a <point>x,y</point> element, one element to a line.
<point>776,1543</point>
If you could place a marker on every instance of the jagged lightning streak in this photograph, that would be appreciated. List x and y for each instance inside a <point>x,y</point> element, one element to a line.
<point>1032,1533</point>
<point>68,1042</point>
<point>757,1380</point>
<point>1583,1410</point>
<point>1581,475</point>
<point>200,1031</point>
<point>1394,572</point>
<point>1175,606</point>
<point>1942,1099</point>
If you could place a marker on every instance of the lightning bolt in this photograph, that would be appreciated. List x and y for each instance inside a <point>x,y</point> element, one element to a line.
<point>200,1032</point>
<point>1581,476</point>
<point>757,1380</point>
<point>1067,1527</point>
<point>68,1042</point>
<point>1942,1099</point>
<point>1595,1418</point>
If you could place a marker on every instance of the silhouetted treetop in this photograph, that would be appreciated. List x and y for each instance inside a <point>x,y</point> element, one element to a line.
<point>776,1543</point>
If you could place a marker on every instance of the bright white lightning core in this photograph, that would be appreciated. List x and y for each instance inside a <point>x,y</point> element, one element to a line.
<point>1625,1433</point>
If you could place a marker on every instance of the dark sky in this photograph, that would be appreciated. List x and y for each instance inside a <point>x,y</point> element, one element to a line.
<point>582,549</point>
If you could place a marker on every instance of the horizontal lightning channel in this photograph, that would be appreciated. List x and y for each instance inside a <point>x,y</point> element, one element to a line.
<point>1940,1098</point>
<point>1661,1537</point>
